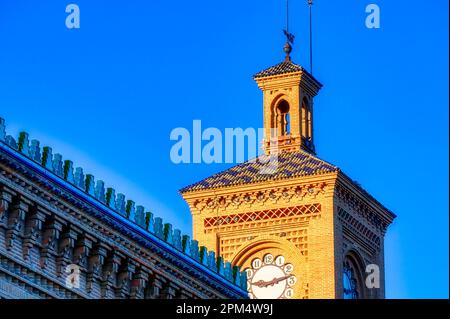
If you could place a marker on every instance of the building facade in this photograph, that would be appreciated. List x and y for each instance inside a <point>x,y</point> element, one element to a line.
<point>296,224</point>
<point>63,235</point>
<point>284,225</point>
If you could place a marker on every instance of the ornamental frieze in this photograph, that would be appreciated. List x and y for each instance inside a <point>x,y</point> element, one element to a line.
<point>313,209</point>
<point>361,208</point>
<point>291,194</point>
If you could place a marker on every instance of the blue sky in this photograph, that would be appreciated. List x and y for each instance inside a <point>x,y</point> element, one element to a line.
<point>108,95</point>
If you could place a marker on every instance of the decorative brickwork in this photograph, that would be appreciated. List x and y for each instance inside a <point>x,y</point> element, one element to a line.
<point>262,215</point>
<point>54,218</point>
<point>363,209</point>
<point>300,230</point>
<point>359,229</point>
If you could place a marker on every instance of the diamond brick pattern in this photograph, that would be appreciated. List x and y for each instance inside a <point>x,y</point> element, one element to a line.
<point>263,215</point>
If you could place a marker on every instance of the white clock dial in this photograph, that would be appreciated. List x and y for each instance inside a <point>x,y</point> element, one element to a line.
<point>270,278</point>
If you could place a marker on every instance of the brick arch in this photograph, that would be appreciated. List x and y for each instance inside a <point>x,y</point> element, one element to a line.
<point>357,260</point>
<point>356,256</point>
<point>263,243</point>
<point>273,107</point>
<point>277,99</point>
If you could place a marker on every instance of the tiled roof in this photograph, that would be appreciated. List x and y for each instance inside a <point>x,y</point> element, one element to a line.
<point>290,164</point>
<point>282,68</point>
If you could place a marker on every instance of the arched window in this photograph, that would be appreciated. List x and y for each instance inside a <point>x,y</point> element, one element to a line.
<point>351,280</point>
<point>306,119</point>
<point>283,118</point>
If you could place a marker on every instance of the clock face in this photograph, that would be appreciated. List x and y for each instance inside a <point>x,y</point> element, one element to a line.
<point>270,278</point>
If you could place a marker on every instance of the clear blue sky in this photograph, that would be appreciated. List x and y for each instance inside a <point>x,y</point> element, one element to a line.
<point>108,95</point>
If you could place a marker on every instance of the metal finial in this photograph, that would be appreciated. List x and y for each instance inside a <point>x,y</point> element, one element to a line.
<point>287,49</point>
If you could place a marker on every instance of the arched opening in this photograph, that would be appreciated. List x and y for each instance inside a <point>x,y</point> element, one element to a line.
<point>306,119</point>
<point>283,118</point>
<point>352,279</point>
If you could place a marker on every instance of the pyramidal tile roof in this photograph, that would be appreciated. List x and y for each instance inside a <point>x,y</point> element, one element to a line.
<point>281,68</point>
<point>264,168</point>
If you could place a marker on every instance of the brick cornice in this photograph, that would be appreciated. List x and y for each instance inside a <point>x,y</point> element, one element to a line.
<point>376,212</point>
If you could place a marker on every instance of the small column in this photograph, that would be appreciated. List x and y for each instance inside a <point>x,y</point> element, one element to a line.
<point>124,277</point>
<point>6,196</point>
<point>81,252</point>
<point>33,230</point>
<point>16,221</point>
<point>95,264</point>
<point>51,234</point>
<point>155,286</point>
<point>110,270</point>
<point>65,249</point>
<point>139,282</point>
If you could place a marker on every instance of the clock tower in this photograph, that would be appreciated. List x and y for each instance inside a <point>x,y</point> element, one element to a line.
<point>303,230</point>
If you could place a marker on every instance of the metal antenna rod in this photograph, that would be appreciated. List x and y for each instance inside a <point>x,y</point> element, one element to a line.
<point>310,3</point>
<point>289,37</point>
<point>287,15</point>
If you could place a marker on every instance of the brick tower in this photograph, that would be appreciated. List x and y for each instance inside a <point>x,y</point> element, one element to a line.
<point>303,230</point>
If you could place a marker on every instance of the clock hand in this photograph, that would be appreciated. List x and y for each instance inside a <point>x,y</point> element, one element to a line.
<point>261,284</point>
<point>277,280</point>
<point>264,284</point>
<point>284,278</point>
<point>274,281</point>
